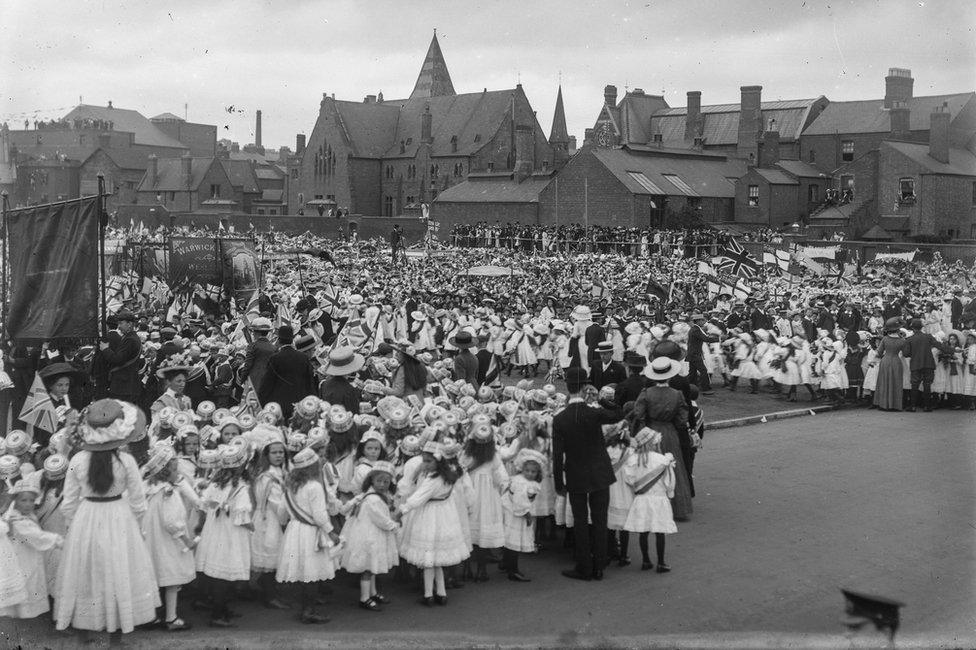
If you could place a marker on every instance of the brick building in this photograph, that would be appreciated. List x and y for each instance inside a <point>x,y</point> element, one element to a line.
<point>377,156</point>
<point>186,184</point>
<point>200,138</point>
<point>123,170</point>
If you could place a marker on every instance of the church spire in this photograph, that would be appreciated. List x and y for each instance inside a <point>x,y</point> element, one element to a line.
<point>434,79</point>
<point>559,134</point>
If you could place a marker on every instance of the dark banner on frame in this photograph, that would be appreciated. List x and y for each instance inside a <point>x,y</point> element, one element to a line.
<point>193,260</point>
<point>240,267</point>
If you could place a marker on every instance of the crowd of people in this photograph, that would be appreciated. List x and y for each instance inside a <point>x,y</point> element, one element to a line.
<point>409,421</point>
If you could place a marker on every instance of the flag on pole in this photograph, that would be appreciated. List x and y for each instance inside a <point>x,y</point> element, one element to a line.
<point>734,260</point>
<point>599,290</point>
<point>329,301</point>
<point>248,396</point>
<point>38,409</point>
<point>655,289</point>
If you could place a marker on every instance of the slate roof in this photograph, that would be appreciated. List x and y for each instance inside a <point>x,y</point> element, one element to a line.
<point>169,172</point>
<point>166,117</point>
<point>707,178</point>
<point>241,174</point>
<point>434,79</point>
<point>370,127</point>
<point>633,116</point>
<point>776,177</point>
<point>799,168</point>
<point>721,121</point>
<point>494,190</point>
<point>558,133</point>
<point>272,195</point>
<point>961,161</point>
<point>870,115</point>
<point>267,172</point>
<point>130,158</point>
<point>128,120</point>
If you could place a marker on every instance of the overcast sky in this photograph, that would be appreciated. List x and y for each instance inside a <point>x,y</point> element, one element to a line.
<point>281,56</point>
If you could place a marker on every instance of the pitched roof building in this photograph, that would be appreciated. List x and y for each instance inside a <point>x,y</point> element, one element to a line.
<point>377,156</point>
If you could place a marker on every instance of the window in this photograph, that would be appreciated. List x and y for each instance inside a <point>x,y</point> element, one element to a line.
<point>330,197</point>
<point>812,156</point>
<point>545,165</point>
<point>410,200</point>
<point>491,167</point>
<point>273,212</point>
<point>477,137</point>
<point>645,182</point>
<point>81,139</point>
<point>172,196</point>
<point>906,190</point>
<point>813,194</point>
<point>388,206</point>
<point>682,186</point>
<point>294,173</point>
<point>847,150</point>
<point>753,195</point>
<point>261,211</point>
<point>215,191</point>
<point>389,171</point>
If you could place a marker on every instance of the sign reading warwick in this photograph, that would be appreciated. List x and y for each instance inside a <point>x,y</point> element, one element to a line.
<point>193,260</point>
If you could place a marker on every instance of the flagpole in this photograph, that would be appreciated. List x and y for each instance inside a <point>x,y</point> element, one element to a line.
<point>4,206</point>
<point>102,218</point>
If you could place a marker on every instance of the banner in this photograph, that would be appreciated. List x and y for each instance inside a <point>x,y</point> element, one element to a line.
<point>53,251</point>
<point>193,260</point>
<point>908,257</point>
<point>240,261</point>
<point>151,260</point>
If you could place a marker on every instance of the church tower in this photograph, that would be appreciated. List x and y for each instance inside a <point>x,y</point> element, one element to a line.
<point>559,136</point>
<point>434,79</point>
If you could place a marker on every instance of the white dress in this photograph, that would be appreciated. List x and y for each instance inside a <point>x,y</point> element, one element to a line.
<point>517,509</point>
<point>969,387</point>
<point>463,498</point>
<point>487,525</point>
<point>370,536</point>
<point>651,511</point>
<point>621,496</point>
<point>163,526</point>
<point>30,542</point>
<point>13,581</point>
<point>747,368</point>
<point>51,519</point>
<point>104,540</point>
<point>870,366</point>
<point>270,514</point>
<point>832,370</point>
<point>224,551</point>
<point>306,550</point>
<point>431,535</point>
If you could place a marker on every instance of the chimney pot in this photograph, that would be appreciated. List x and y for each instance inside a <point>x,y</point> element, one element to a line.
<point>750,122</point>
<point>610,95</point>
<point>153,170</point>
<point>186,169</point>
<point>898,86</point>
<point>299,144</point>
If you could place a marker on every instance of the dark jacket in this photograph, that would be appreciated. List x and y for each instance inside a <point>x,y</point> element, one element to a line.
<point>256,361</point>
<point>466,367</point>
<point>629,389</point>
<point>696,338</point>
<point>593,335</point>
<point>579,449</point>
<point>338,390</point>
<point>918,347</point>
<point>614,373</point>
<point>289,378</point>
<point>124,365</point>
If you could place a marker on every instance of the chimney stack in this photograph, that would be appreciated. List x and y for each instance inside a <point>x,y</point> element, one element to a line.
<point>524,152</point>
<point>610,95</point>
<point>769,152</point>
<point>898,86</point>
<point>693,118</point>
<point>153,170</point>
<point>939,135</point>
<point>257,128</point>
<point>299,144</point>
<point>900,120</point>
<point>750,122</point>
<point>186,170</point>
<point>426,126</point>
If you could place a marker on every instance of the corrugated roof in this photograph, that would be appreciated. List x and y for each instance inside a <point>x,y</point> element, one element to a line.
<point>166,117</point>
<point>776,177</point>
<point>870,115</point>
<point>799,168</point>
<point>721,123</point>
<point>169,175</point>
<point>707,178</point>
<point>494,191</point>
<point>961,162</point>
<point>124,119</point>
<point>241,174</point>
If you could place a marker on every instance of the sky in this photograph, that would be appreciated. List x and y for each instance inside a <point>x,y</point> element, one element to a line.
<point>201,59</point>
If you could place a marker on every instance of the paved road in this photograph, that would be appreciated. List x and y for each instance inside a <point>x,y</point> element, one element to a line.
<point>787,512</point>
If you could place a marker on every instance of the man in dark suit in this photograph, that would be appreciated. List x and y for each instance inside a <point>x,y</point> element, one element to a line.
<point>290,376</point>
<point>592,337</point>
<point>636,382</point>
<point>484,357</point>
<point>99,366</point>
<point>465,363</point>
<point>581,467</point>
<point>123,361</point>
<point>605,370</point>
<point>697,373</point>
<point>258,353</point>
<point>955,308</point>
<point>918,348</point>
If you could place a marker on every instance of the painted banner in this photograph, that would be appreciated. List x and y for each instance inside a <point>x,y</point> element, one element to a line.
<point>193,260</point>
<point>53,271</point>
<point>240,267</point>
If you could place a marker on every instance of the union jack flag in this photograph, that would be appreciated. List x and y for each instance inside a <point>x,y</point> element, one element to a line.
<point>38,408</point>
<point>734,260</point>
<point>329,301</point>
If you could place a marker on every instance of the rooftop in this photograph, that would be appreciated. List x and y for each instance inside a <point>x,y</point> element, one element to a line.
<point>870,115</point>
<point>672,175</point>
<point>494,190</point>
<point>128,120</point>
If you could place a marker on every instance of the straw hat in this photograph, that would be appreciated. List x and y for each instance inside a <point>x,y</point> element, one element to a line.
<point>317,438</point>
<point>109,424</point>
<point>308,407</point>
<point>662,369</point>
<point>536,457</point>
<point>159,457</point>
<point>261,324</point>
<point>399,418</point>
<point>482,433</point>
<point>17,442</point>
<point>381,467</point>
<point>234,455</point>
<point>173,365</point>
<point>340,421</point>
<point>581,313</point>
<point>450,448</point>
<point>296,442</point>
<point>305,458</point>
<point>344,361</point>
<point>206,409</point>
<point>647,436</point>
<point>208,459</point>
<point>247,421</point>
<point>462,340</point>
<point>9,467</point>
<point>410,445</point>
<point>55,467</point>
<point>181,419</point>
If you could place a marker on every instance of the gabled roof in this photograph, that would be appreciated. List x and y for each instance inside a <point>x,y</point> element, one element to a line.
<point>721,121</point>
<point>370,127</point>
<point>633,116</point>
<point>961,161</point>
<point>124,119</point>
<point>559,132</point>
<point>134,159</point>
<point>494,190</point>
<point>166,117</point>
<point>169,175</point>
<point>268,172</point>
<point>434,79</point>
<point>776,177</point>
<point>241,174</point>
<point>707,178</point>
<point>799,169</point>
<point>870,115</point>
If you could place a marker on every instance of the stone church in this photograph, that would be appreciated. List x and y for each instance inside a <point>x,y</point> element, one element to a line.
<point>380,157</point>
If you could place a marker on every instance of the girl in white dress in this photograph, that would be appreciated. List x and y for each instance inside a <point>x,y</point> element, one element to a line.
<point>745,364</point>
<point>103,495</point>
<point>224,550</point>
<point>969,367</point>
<point>523,489</point>
<point>371,449</point>
<point>489,478</point>
<point>169,541</point>
<point>786,369</point>
<point>370,534</point>
<point>651,476</point>
<point>431,537</point>
<point>832,370</point>
<point>307,548</point>
<point>13,580</point>
<point>870,367</point>
<point>270,515</point>
<point>30,542</point>
<point>621,497</point>
<point>49,515</point>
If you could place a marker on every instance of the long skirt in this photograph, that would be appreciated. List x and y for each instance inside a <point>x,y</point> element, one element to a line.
<point>670,443</point>
<point>887,393</point>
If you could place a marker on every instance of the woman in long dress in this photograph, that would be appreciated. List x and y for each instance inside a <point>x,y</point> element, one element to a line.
<point>888,390</point>
<point>662,408</point>
<point>104,539</point>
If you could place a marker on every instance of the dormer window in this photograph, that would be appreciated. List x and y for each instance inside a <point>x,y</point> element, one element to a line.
<point>477,137</point>
<point>454,143</point>
<point>409,141</point>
